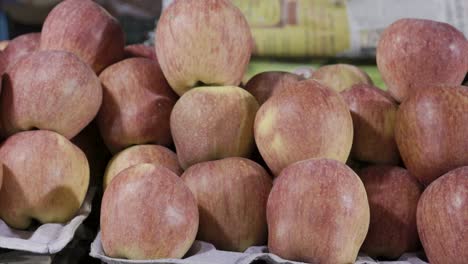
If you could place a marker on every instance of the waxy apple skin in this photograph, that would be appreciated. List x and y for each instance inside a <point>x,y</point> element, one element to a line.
<point>86,29</point>
<point>373,112</point>
<point>51,90</point>
<point>442,218</point>
<point>266,84</point>
<point>46,178</point>
<point>393,196</point>
<point>415,53</point>
<point>135,155</point>
<point>204,41</point>
<point>136,106</point>
<point>340,77</point>
<point>19,47</point>
<point>148,213</point>
<point>232,194</point>
<point>306,120</point>
<point>431,131</point>
<point>209,123</point>
<point>317,212</point>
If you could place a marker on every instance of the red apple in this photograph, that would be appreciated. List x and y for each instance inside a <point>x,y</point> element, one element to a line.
<point>431,131</point>
<point>19,47</point>
<point>442,218</point>
<point>232,194</point>
<point>264,85</point>
<point>415,53</point>
<point>51,90</point>
<point>317,212</point>
<point>373,112</point>
<point>210,123</point>
<point>148,213</point>
<point>140,51</point>
<point>4,44</point>
<point>203,42</point>
<point>135,155</point>
<point>86,29</point>
<point>305,120</point>
<point>45,178</point>
<point>340,77</point>
<point>393,196</point>
<point>136,106</point>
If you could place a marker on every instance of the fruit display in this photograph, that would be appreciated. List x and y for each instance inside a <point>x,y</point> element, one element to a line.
<point>191,159</point>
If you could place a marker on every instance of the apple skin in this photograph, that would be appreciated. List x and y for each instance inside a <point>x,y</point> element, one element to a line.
<point>19,47</point>
<point>59,185</point>
<point>442,217</point>
<point>140,51</point>
<point>232,194</point>
<point>86,29</point>
<point>204,41</point>
<point>430,131</point>
<point>169,224</point>
<point>393,196</point>
<point>4,44</point>
<point>209,123</point>
<point>317,212</point>
<point>373,112</point>
<point>51,90</point>
<point>340,77</point>
<point>136,106</point>
<point>135,155</point>
<point>266,84</point>
<point>415,53</point>
<point>304,71</point>
<point>306,120</point>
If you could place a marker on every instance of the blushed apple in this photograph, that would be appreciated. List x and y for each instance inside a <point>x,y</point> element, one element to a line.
<point>303,121</point>
<point>136,106</point>
<point>140,51</point>
<point>340,77</point>
<point>4,44</point>
<point>442,217</point>
<point>232,194</point>
<point>209,123</point>
<point>393,196</point>
<point>135,155</point>
<point>19,47</point>
<point>86,29</point>
<point>373,112</point>
<point>169,222</point>
<point>415,53</point>
<point>203,42</point>
<point>51,90</point>
<point>431,131</point>
<point>45,177</point>
<point>317,212</point>
<point>264,85</point>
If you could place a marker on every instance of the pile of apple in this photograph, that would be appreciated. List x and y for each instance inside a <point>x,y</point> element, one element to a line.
<point>263,164</point>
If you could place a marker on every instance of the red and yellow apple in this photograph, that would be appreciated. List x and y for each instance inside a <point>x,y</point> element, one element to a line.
<point>340,77</point>
<point>264,85</point>
<point>19,47</point>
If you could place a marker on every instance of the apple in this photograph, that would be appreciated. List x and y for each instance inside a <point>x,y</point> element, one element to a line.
<point>86,29</point>
<point>136,106</point>
<point>317,212</point>
<point>264,85</point>
<point>305,120</point>
<point>373,112</point>
<point>304,71</point>
<point>45,177</point>
<point>232,194</point>
<point>19,47</point>
<point>51,90</point>
<point>4,44</point>
<point>140,51</point>
<point>393,195</point>
<point>340,77</point>
<point>431,131</point>
<point>148,213</point>
<point>203,42</point>
<point>135,155</point>
<point>442,218</point>
<point>415,53</point>
<point>209,123</point>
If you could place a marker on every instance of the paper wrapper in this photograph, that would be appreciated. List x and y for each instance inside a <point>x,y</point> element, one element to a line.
<point>47,238</point>
<point>205,253</point>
